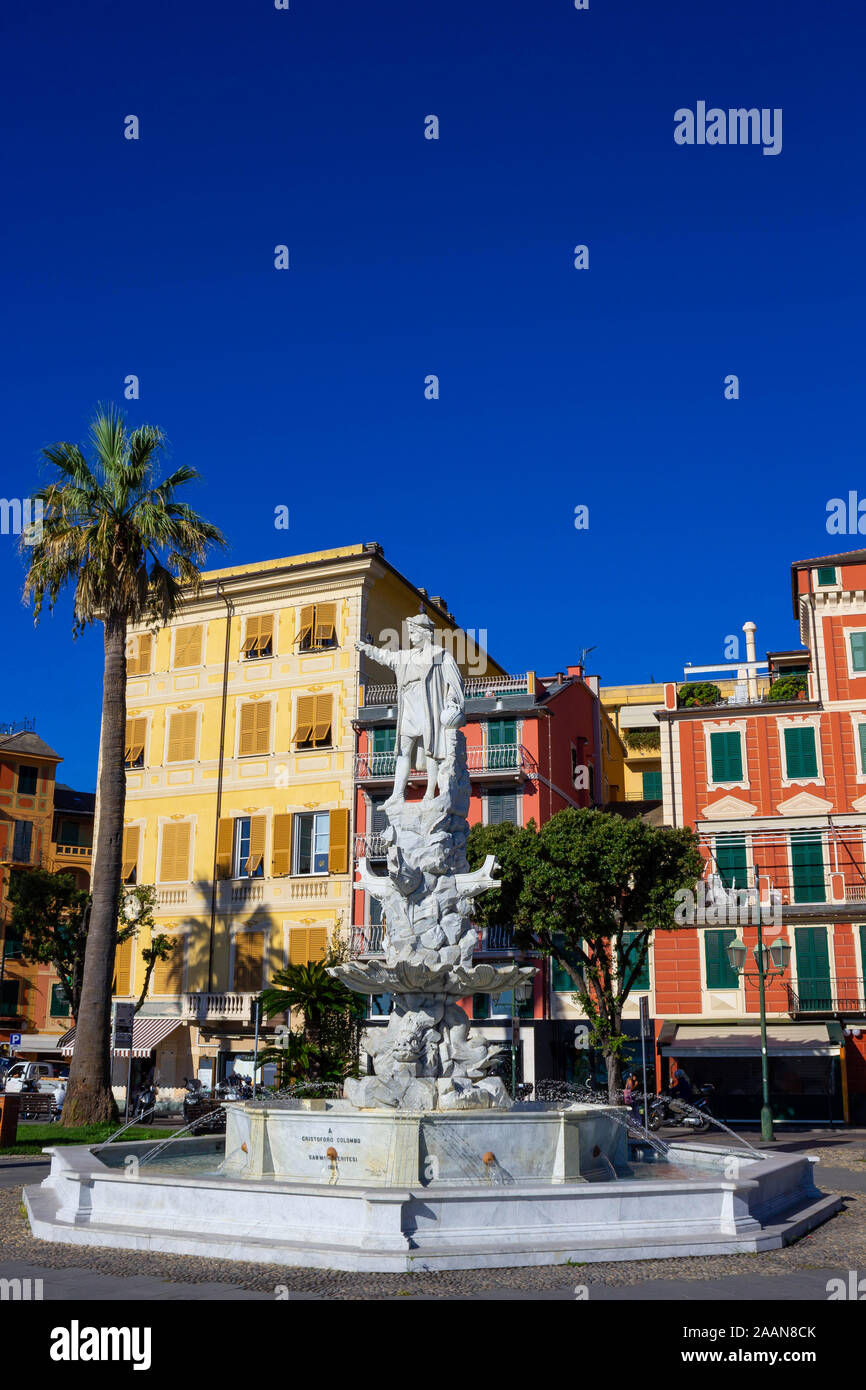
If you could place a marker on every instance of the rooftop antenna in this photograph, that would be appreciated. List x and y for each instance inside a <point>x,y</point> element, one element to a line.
<point>584,653</point>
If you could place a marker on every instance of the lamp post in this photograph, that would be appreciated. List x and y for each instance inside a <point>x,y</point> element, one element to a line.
<point>770,963</point>
<point>519,994</point>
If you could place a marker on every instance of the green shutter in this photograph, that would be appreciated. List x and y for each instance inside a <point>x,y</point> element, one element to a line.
<point>858,650</point>
<point>59,1002</point>
<point>813,968</point>
<point>731,860</point>
<point>720,973</point>
<point>727,757</point>
<point>642,980</point>
<point>501,743</point>
<point>652,786</point>
<point>826,575</point>
<point>481,1006</point>
<point>861,730</point>
<point>801,758</point>
<point>807,862</point>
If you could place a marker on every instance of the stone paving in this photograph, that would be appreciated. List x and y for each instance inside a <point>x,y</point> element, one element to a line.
<point>838,1245</point>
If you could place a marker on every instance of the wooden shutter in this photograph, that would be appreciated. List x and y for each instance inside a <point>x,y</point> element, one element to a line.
<point>187,646</point>
<point>323,720</point>
<point>282,852</point>
<point>858,651</point>
<point>122,963</point>
<point>225,834</point>
<point>326,623</point>
<point>129,854</point>
<point>338,842</point>
<point>305,626</point>
<point>800,756</point>
<point>307,944</point>
<point>167,977</point>
<point>255,731</point>
<point>182,729</point>
<point>136,732</point>
<point>731,861</point>
<point>175,853</point>
<point>251,637</point>
<point>726,756</point>
<point>257,844</point>
<point>138,662</point>
<point>246,738</point>
<point>720,973</point>
<point>266,632</point>
<point>306,718</point>
<point>861,733</point>
<point>249,954</point>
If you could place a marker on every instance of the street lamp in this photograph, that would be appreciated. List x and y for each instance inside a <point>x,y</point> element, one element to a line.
<point>519,994</point>
<point>769,963</point>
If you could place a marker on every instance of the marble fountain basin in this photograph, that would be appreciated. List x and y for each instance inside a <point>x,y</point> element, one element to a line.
<point>320,1184</point>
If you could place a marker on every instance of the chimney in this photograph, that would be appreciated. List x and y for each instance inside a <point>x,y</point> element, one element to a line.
<point>752,678</point>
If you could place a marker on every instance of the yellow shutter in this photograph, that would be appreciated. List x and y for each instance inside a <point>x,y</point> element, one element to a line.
<point>175,853</point>
<point>138,661</point>
<point>281,859</point>
<point>136,732</point>
<point>323,720</point>
<point>249,954</point>
<point>182,729</point>
<point>305,628</point>
<point>167,977</point>
<point>306,718</point>
<point>129,854</point>
<point>187,646</point>
<point>266,631</point>
<point>338,842</point>
<point>225,834</point>
<point>307,944</point>
<point>326,623</point>
<point>246,738</point>
<point>122,962</point>
<point>251,635</point>
<point>262,729</point>
<point>257,843</point>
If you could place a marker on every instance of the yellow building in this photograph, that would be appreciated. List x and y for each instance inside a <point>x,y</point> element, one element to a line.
<point>240,758</point>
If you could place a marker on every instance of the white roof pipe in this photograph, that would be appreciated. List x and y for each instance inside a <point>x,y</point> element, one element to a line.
<point>752,683</point>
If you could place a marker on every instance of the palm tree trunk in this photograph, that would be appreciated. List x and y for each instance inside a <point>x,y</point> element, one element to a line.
<point>89,1099</point>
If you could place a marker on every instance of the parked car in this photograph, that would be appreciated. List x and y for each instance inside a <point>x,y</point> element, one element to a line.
<point>48,1077</point>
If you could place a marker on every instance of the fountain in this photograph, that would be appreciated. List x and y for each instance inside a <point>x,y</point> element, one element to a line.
<point>427,1163</point>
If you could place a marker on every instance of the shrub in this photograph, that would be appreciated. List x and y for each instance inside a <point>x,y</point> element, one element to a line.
<point>700,693</point>
<point>788,687</point>
<point>643,738</point>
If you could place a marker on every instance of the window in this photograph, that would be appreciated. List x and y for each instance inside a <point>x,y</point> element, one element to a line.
<point>249,961</point>
<point>138,655</point>
<point>182,729</point>
<point>652,785</point>
<point>861,734</point>
<point>28,778</point>
<point>258,637</point>
<point>383,756</point>
<point>502,806</point>
<point>249,847</point>
<point>807,863</point>
<point>9,999</point>
<point>175,852</point>
<point>858,650</point>
<point>813,968</point>
<point>122,963</point>
<point>726,757</point>
<point>167,977</point>
<point>129,854</point>
<point>380,1006</point>
<point>501,1005</point>
<point>501,743</point>
<point>627,958</point>
<point>731,864</point>
<point>281,851</point>
<point>313,721</point>
<point>136,732</point>
<point>317,627</point>
<point>307,944</point>
<point>22,841</point>
<point>59,1003</point>
<point>311,843</point>
<point>187,647</point>
<point>720,974</point>
<point>562,981</point>
<point>254,734</point>
<point>801,758</point>
<point>73,832</point>
<point>826,575</point>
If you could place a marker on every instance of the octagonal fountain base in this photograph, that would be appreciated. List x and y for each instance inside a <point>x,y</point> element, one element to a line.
<point>556,1186</point>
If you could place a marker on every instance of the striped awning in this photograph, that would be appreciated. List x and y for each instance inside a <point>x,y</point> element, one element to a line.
<point>147,1033</point>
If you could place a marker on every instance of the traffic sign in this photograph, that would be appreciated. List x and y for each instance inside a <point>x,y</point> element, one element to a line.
<point>14,1039</point>
<point>124,1015</point>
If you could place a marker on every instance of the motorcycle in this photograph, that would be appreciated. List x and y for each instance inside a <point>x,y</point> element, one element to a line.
<point>208,1115</point>
<point>144,1104</point>
<point>697,1118</point>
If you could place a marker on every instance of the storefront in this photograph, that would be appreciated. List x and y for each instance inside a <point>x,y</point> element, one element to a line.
<point>160,1048</point>
<point>806,1069</point>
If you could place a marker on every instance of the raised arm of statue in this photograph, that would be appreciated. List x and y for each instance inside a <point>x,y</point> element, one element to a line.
<point>380,654</point>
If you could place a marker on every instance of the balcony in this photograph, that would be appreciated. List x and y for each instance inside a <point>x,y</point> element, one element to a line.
<point>475,688</point>
<point>826,996</point>
<point>73,851</point>
<point>505,760</point>
<point>217,1008</point>
<point>367,941</point>
<point>370,847</point>
<point>492,940</point>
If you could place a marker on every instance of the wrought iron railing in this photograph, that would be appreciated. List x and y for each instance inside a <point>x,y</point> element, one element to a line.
<point>370,847</point>
<point>368,940</point>
<point>474,688</point>
<point>498,757</point>
<point>826,995</point>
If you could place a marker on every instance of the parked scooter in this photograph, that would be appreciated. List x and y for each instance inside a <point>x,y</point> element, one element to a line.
<point>697,1118</point>
<point>144,1104</point>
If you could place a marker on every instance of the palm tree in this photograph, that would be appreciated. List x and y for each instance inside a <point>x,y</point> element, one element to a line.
<point>131,551</point>
<point>332,1014</point>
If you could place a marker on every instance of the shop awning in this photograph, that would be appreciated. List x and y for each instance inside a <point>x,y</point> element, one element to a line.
<point>783,1040</point>
<point>38,1042</point>
<point>147,1033</point>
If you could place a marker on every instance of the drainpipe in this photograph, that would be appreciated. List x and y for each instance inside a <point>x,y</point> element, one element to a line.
<point>219,792</point>
<point>752,678</point>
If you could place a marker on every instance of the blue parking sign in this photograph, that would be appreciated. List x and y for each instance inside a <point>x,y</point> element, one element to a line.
<point>14,1039</point>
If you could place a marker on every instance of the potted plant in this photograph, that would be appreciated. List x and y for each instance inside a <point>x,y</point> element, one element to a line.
<point>788,688</point>
<point>695,693</point>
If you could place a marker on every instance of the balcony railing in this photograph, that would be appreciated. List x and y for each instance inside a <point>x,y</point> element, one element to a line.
<point>506,758</point>
<point>495,939</point>
<point>367,941</point>
<point>826,996</point>
<point>370,847</point>
<point>218,1008</point>
<point>81,850</point>
<point>475,688</point>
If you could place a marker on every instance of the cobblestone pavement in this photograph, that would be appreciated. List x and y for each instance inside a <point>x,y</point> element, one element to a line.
<point>840,1244</point>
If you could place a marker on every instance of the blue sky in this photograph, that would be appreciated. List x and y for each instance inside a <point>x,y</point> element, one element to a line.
<point>409,257</point>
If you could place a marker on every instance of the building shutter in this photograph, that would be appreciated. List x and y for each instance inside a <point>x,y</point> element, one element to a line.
<point>322,721</point>
<point>305,625</point>
<point>22,841</point>
<point>138,661</point>
<point>726,756</point>
<point>652,785</point>
<point>720,973</point>
<point>282,853</point>
<point>136,732</point>
<point>813,969</point>
<point>255,731</point>
<point>122,964</point>
<point>225,834</point>
<point>266,632</point>
<point>182,729</point>
<point>175,853</point>
<point>249,956</point>
<point>257,844</point>
<point>730,856</point>
<point>801,759</point>
<point>807,863</point>
<point>338,842</point>
<point>325,624</point>
<point>307,944</point>
<point>306,718</point>
<point>378,815</point>
<point>502,806</point>
<point>187,646</point>
<point>167,977</point>
<point>826,575</point>
<point>627,961</point>
<point>858,650</point>
<point>861,732</point>
<point>129,854</point>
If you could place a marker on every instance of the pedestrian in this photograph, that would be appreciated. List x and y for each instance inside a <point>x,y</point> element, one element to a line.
<point>631,1095</point>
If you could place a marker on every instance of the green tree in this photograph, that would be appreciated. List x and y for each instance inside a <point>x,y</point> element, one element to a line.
<point>130,550</point>
<point>49,917</point>
<point>333,1016</point>
<point>571,889</point>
